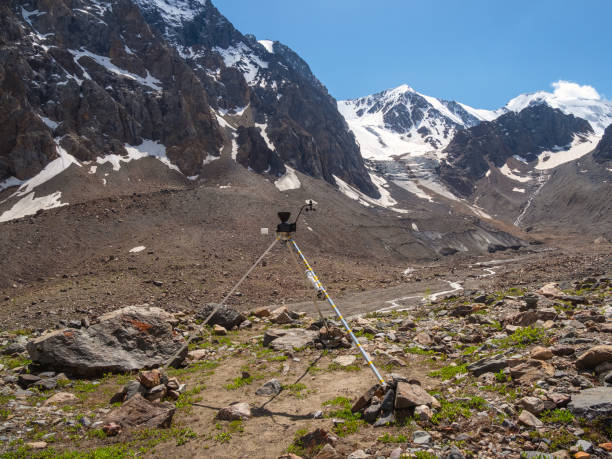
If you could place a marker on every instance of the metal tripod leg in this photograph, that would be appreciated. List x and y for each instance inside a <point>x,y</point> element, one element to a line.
<point>339,315</point>
<point>314,295</point>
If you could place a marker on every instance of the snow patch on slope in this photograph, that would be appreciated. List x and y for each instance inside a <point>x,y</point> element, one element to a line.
<point>105,62</point>
<point>242,57</point>
<point>29,205</point>
<point>289,181</point>
<point>578,148</point>
<point>148,148</point>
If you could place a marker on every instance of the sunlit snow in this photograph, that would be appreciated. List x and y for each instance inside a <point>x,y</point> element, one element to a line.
<point>289,181</point>
<point>29,205</point>
<point>578,148</point>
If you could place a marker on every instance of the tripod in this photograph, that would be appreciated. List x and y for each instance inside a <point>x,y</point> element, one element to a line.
<point>285,233</point>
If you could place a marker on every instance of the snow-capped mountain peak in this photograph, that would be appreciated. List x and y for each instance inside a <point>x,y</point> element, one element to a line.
<point>402,121</point>
<point>571,98</point>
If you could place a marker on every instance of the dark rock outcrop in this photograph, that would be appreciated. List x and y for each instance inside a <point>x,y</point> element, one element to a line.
<point>603,151</point>
<point>277,86</point>
<point>533,130</point>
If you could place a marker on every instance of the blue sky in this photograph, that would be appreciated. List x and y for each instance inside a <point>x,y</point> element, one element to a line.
<point>478,52</point>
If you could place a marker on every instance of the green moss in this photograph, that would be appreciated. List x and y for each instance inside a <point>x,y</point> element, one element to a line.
<point>418,351</point>
<point>239,382</point>
<point>522,337</point>
<point>387,438</point>
<point>557,416</point>
<point>450,411</point>
<point>352,421</point>
<point>449,371</point>
<point>189,397</point>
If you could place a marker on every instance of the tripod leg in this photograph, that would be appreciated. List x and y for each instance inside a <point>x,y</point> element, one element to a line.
<point>364,354</point>
<point>314,295</point>
<point>203,324</point>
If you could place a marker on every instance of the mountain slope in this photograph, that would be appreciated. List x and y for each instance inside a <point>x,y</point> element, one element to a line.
<point>525,134</point>
<point>572,99</point>
<point>270,86</point>
<point>402,121</point>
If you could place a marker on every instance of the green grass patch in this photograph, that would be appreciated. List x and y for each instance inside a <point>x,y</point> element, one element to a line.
<point>387,438</point>
<point>523,337</point>
<point>189,397</point>
<point>14,362</point>
<point>239,382</point>
<point>451,411</point>
<point>557,416</point>
<point>449,372</point>
<point>418,351</point>
<point>223,437</point>
<point>352,421</point>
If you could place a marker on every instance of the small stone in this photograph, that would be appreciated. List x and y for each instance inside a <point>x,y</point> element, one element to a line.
<point>197,354</point>
<point>358,454</point>
<point>423,413</point>
<point>219,330</point>
<point>345,360</point>
<point>409,395</point>
<point>606,446</point>
<point>111,429</point>
<point>582,455</point>
<point>271,387</point>
<point>173,384</point>
<point>150,378</point>
<point>59,398</point>
<point>541,353</point>
<point>530,420</point>
<point>423,339</point>
<point>594,356</point>
<point>318,415</point>
<point>420,437</point>
<point>261,312</point>
<point>156,393</point>
<point>36,445</point>
<point>532,404</point>
<point>328,452</point>
<point>26,380</point>
<point>234,412</point>
<point>396,453</point>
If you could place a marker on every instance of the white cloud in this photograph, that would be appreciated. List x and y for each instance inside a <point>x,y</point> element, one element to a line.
<point>568,90</point>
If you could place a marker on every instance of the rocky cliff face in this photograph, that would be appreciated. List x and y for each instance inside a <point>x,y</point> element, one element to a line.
<point>526,134</point>
<point>277,88</point>
<point>90,79</point>
<point>87,79</point>
<point>603,152</point>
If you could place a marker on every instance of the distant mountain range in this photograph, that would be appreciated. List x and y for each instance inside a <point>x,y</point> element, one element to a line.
<point>110,98</point>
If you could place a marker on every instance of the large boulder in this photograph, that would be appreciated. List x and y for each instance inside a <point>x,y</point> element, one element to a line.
<point>128,339</point>
<point>226,317</point>
<point>595,402</point>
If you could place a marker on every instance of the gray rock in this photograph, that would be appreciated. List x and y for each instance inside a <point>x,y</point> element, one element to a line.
<point>583,445</point>
<point>371,412</point>
<point>358,454</point>
<point>486,365</point>
<point>385,419</point>
<point>13,348</point>
<point>235,412</point>
<point>420,437</point>
<point>226,316</point>
<point>290,339</point>
<point>272,387</point>
<point>26,380</point>
<point>128,339</point>
<point>594,357</point>
<point>140,412</point>
<point>592,403</point>
<point>409,395</point>
<point>536,455</point>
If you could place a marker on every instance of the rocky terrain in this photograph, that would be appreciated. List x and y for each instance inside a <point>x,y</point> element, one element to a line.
<point>511,365</point>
